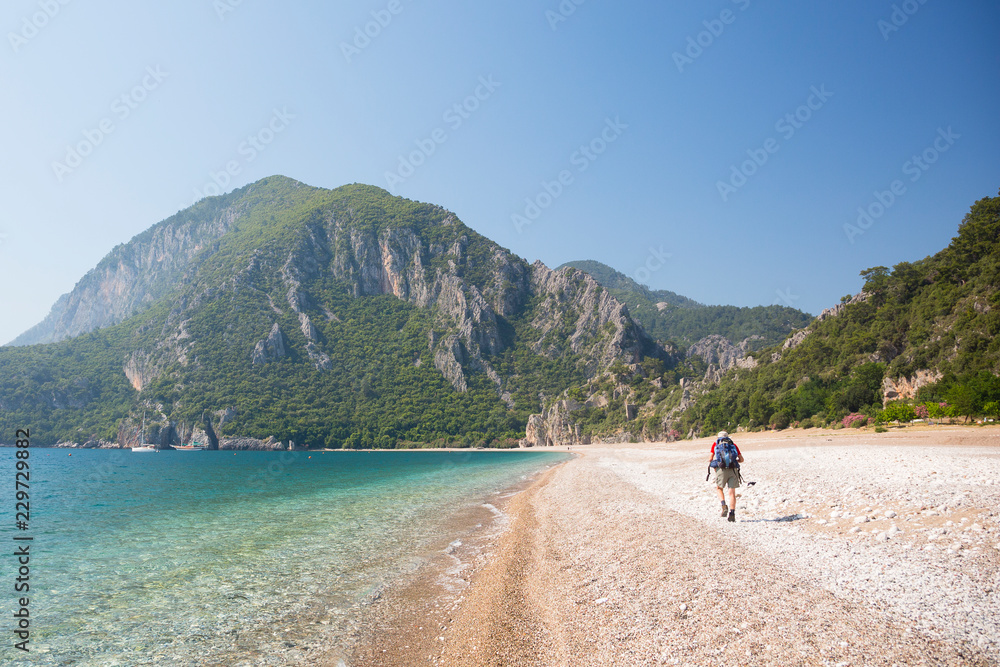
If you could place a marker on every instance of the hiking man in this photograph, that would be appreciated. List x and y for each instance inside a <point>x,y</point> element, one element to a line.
<point>726,460</point>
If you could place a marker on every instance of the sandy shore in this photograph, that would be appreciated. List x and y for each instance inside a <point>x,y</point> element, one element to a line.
<point>851,548</point>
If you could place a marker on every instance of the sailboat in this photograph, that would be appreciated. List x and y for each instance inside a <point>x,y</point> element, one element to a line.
<point>142,435</point>
<point>191,447</point>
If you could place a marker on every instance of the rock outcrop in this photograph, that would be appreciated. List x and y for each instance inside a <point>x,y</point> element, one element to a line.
<point>134,275</point>
<point>576,311</point>
<point>906,388</point>
<point>554,427</point>
<point>717,351</point>
<point>140,369</point>
<point>271,444</point>
<point>270,349</point>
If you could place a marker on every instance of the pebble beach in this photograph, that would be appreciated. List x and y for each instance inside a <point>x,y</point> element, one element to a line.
<point>850,548</point>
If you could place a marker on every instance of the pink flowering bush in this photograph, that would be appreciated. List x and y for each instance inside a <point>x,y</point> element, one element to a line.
<point>921,411</point>
<point>854,420</point>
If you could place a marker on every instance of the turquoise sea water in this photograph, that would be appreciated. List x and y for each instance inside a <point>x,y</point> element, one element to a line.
<point>207,557</point>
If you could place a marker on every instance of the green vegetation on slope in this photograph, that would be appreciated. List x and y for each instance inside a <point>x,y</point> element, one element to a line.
<point>684,321</point>
<point>382,389</point>
<point>940,314</point>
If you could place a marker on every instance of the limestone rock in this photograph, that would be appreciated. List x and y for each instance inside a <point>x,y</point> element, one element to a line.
<point>271,348</point>
<point>554,427</point>
<point>131,277</point>
<point>906,388</point>
<point>140,369</point>
<point>252,444</point>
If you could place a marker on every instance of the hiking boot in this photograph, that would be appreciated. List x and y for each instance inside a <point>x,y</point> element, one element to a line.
<point>732,516</point>
<point>725,510</point>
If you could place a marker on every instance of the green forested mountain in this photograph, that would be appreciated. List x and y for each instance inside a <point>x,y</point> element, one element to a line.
<point>344,318</point>
<point>352,318</point>
<point>929,326</point>
<point>668,316</point>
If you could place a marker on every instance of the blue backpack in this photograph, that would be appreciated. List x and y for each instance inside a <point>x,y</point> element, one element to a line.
<point>726,455</point>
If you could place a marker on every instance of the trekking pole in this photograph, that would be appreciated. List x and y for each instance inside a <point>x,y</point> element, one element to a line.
<point>709,473</point>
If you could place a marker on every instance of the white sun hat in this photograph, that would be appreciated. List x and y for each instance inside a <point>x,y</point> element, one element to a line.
<point>723,434</point>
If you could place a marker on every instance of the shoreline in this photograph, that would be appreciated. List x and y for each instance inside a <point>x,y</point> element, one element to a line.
<point>401,623</point>
<point>602,562</point>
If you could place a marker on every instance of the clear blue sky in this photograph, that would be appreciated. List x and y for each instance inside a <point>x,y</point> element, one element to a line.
<point>644,198</point>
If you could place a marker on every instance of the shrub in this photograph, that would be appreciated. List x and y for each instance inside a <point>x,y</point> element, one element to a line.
<point>779,420</point>
<point>939,410</point>
<point>807,423</point>
<point>921,411</point>
<point>854,420</point>
<point>881,429</point>
<point>898,411</point>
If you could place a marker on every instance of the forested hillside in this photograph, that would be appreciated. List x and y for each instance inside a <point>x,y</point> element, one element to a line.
<point>341,318</point>
<point>926,331</point>
<point>668,316</point>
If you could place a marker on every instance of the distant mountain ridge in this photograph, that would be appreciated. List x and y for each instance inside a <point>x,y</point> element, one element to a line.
<point>613,279</point>
<point>668,316</point>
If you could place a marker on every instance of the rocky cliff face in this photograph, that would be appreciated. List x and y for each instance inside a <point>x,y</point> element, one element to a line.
<point>554,426</point>
<point>905,388</point>
<point>579,312</point>
<point>251,281</point>
<point>133,275</point>
<point>721,355</point>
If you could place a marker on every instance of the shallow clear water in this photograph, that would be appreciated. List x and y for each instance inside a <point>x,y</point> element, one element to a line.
<point>174,558</point>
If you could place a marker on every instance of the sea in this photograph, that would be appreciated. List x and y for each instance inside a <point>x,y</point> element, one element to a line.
<point>216,557</point>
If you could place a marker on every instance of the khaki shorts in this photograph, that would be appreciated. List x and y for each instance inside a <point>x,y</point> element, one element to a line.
<point>727,477</point>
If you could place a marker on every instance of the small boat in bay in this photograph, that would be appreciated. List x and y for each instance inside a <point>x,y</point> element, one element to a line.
<point>193,447</point>
<point>143,447</point>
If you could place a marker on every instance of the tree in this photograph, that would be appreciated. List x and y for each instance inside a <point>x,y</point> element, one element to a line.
<point>898,411</point>
<point>963,400</point>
